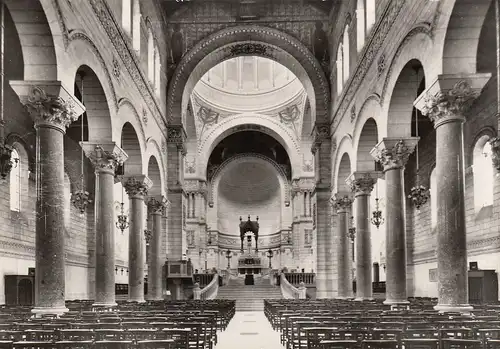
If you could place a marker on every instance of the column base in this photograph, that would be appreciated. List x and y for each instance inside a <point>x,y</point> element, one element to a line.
<point>396,302</point>
<point>360,299</point>
<point>104,305</point>
<point>455,308</point>
<point>138,300</point>
<point>40,311</point>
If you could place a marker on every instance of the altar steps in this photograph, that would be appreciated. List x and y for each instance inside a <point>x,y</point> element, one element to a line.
<point>249,298</point>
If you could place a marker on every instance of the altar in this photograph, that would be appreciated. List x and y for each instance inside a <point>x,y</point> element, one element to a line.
<point>249,265</point>
<point>249,262</point>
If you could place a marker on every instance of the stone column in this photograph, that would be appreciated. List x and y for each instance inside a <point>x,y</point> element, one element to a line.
<point>157,206</point>
<point>136,187</point>
<point>446,102</point>
<point>342,203</point>
<point>361,184</point>
<point>105,157</point>
<point>393,154</point>
<point>176,150</point>
<point>53,108</point>
<point>322,152</point>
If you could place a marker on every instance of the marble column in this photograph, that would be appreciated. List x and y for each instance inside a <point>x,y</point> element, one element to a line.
<point>157,206</point>
<point>53,109</point>
<point>136,187</point>
<point>393,154</point>
<point>105,157</point>
<point>342,203</point>
<point>361,183</point>
<point>446,102</point>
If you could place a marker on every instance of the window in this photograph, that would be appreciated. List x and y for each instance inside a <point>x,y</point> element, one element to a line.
<point>345,45</point>
<point>151,57</point>
<point>157,71</point>
<point>360,24</point>
<point>15,182</point>
<point>136,26</point>
<point>340,70</point>
<point>370,14</point>
<point>433,192</point>
<point>127,16</point>
<point>483,174</point>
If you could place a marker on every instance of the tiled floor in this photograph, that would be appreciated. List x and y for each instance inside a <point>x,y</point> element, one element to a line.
<point>249,330</point>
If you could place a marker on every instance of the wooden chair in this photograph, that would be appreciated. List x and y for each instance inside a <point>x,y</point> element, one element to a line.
<point>113,344</point>
<point>453,343</point>
<point>492,344</point>
<point>33,345</point>
<point>379,344</point>
<point>74,344</point>
<point>109,334</point>
<point>6,344</point>
<point>338,344</point>
<point>157,344</point>
<point>420,343</point>
<point>179,335</point>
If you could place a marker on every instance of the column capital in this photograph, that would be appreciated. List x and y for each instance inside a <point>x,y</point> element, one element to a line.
<point>158,204</point>
<point>177,135</point>
<point>137,185</point>
<point>321,133</point>
<point>49,103</point>
<point>362,182</point>
<point>342,202</point>
<point>393,153</point>
<point>105,157</point>
<point>195,186</point>
<point>303,184</point>
<point>449,97</point>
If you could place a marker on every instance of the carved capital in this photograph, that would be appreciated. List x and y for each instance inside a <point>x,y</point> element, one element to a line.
<point>341,202</point>
<point>105,157</point>
<point>450,97</point>
<point>176,135</point>
<point>137,186</point>
<point>48,103</point>
<point>303,185</point>
<point>195,186</point>
<point>321,133</point>
<point>495,152</point>
<point>362,183</point>
<point>158,204</point>
<point>393,153</point>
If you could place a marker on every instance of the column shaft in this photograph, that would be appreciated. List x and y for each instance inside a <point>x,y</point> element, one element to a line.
<point>105,239</point>
<point>343,257</point>
<point>452,244</point>
<point>155,266</point>
<point>50,230</point>
<point>363,248</point>
<point>395,238</point>
<point>135,250</point>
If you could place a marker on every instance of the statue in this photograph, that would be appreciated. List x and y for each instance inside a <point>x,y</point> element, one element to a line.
<point>320,45</point>
<point>249,226</point>
<point>177,44</point>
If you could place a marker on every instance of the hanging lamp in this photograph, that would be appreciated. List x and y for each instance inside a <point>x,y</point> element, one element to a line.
<point>419,194</point>
<point>377,219</point>
<point>122,223</point>
<point>148,233</point>
<point>81,198</point>
<point>352,229</point>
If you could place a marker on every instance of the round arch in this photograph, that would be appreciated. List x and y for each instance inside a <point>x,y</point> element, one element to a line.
<point>248,40</point>
<point>368,138</point>
<point>370,109</point>
<point>153,150</point>
<point>128,114</point>
<point>345,147</point>
<point>155,174</point>
<point>131,145</point>
<point>256,122</point>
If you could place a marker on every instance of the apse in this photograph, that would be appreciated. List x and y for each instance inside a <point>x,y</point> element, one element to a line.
<point>249,188</point>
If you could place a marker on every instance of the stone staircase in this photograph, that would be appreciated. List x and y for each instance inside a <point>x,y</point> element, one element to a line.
<point>249,297</point>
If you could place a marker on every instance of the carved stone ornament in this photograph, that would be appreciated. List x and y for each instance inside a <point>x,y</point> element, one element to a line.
<point>49,109</point>
<point>308,166</point>
<point>381,64</point>
<point>249,49</point>
<point>144,116</point>
<point>158,204</point>
<point>137,185</point>
<point>353,113</point>
<point>394,153</point>
<point>303,185</point>
<point>104,156</point>
<point>207,116</point>
<point>495,152</point>
<point>116,68</point>
<point>190,165</point>
<point>321,134</point>
<point>449,104</point>
<point>177,136</point>
<point>362,183</point>
<point>342,203</point>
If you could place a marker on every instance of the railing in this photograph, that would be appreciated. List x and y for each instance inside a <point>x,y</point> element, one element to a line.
<point>208,292</point>
<point>203,279</point>
<point>291,292</point>
<point>296,278</point>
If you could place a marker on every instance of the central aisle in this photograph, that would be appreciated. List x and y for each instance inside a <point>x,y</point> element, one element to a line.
<point>249,330</point>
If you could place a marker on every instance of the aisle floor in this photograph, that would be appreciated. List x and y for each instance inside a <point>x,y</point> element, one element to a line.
<point>249,330</point>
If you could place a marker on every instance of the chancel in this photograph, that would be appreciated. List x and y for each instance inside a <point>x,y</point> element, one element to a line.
<point>261,173</point>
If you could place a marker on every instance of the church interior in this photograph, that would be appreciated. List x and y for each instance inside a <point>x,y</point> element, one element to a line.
<point>272,174</point>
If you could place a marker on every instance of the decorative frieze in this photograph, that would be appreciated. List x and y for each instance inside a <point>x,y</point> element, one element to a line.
<point>104,156</point>
<point>393,153</point>
<point>137,185</point>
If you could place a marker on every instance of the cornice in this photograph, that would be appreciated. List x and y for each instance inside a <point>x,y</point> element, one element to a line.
<point>126,53</point>
<point>368,55</point>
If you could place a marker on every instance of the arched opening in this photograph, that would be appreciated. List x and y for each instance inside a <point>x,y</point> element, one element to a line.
<point>343,173</point>
<point>483,173</point>
<point>15,182</point>
<point>367,140</point>
<point>360,24</point>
